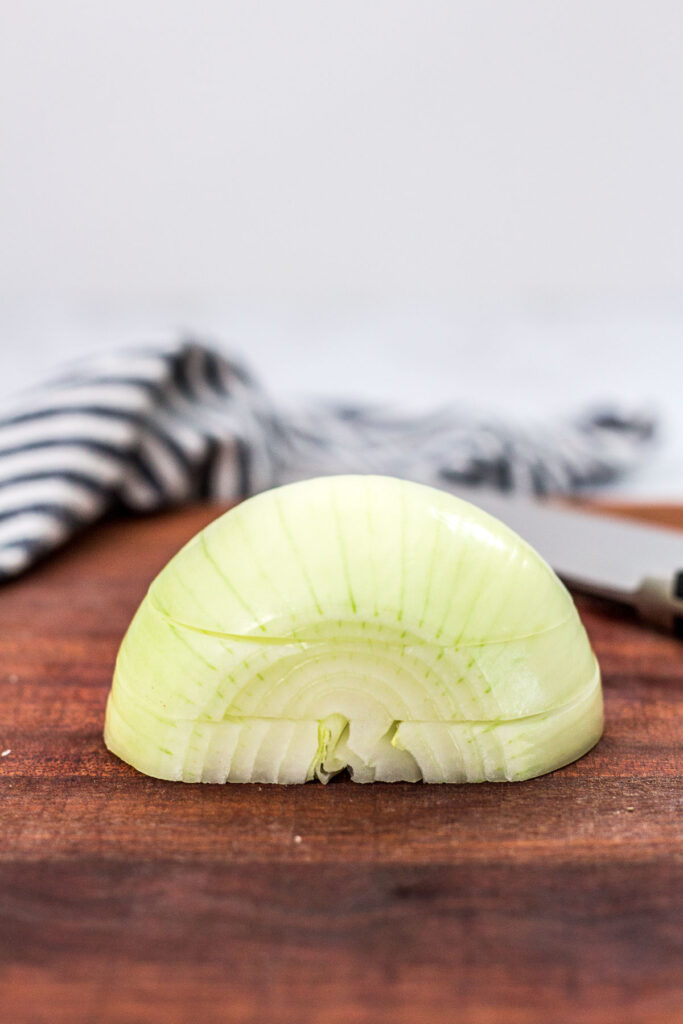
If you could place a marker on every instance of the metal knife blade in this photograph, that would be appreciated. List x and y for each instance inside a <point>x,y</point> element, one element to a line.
<point>613,558</point>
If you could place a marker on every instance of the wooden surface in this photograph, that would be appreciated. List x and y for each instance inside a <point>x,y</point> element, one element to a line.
<point>124,899</point>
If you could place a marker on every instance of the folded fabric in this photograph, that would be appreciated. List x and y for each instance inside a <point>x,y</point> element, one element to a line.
<point>150,428</point>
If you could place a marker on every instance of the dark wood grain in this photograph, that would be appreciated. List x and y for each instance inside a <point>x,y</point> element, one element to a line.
<point>124,899</point>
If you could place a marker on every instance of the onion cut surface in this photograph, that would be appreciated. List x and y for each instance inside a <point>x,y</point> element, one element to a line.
<point>361,623</point>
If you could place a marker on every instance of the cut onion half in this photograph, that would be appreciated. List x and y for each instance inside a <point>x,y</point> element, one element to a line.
<point>355,623</point>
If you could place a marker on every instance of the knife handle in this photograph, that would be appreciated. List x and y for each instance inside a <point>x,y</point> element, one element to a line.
<point>660,600</point>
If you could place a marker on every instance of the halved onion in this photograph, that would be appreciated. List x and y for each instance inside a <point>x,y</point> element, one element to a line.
<point>361,623</point>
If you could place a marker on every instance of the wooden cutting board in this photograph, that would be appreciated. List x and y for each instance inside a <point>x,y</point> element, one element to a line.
<point>124,899</point>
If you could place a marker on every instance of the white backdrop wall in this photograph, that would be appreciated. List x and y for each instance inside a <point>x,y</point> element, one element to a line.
<point>505,152</point>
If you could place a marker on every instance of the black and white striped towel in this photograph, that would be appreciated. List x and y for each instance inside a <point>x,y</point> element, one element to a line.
<point>148,428</point>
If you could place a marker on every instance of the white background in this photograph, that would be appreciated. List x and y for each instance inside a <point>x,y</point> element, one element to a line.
<point>414,200</point>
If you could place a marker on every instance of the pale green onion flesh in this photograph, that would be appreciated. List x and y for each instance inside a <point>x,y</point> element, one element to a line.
<point>361,623</point>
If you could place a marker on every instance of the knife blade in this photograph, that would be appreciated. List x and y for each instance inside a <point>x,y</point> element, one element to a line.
<point>615,559</point>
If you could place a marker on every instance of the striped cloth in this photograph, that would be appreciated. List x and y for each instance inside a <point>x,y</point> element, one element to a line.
<point>149,428</point>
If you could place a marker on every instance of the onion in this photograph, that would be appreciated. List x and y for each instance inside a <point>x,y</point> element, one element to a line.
<point>361,623</point>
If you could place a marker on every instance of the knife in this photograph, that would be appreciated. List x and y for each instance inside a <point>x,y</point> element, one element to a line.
<point>625,562</point>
